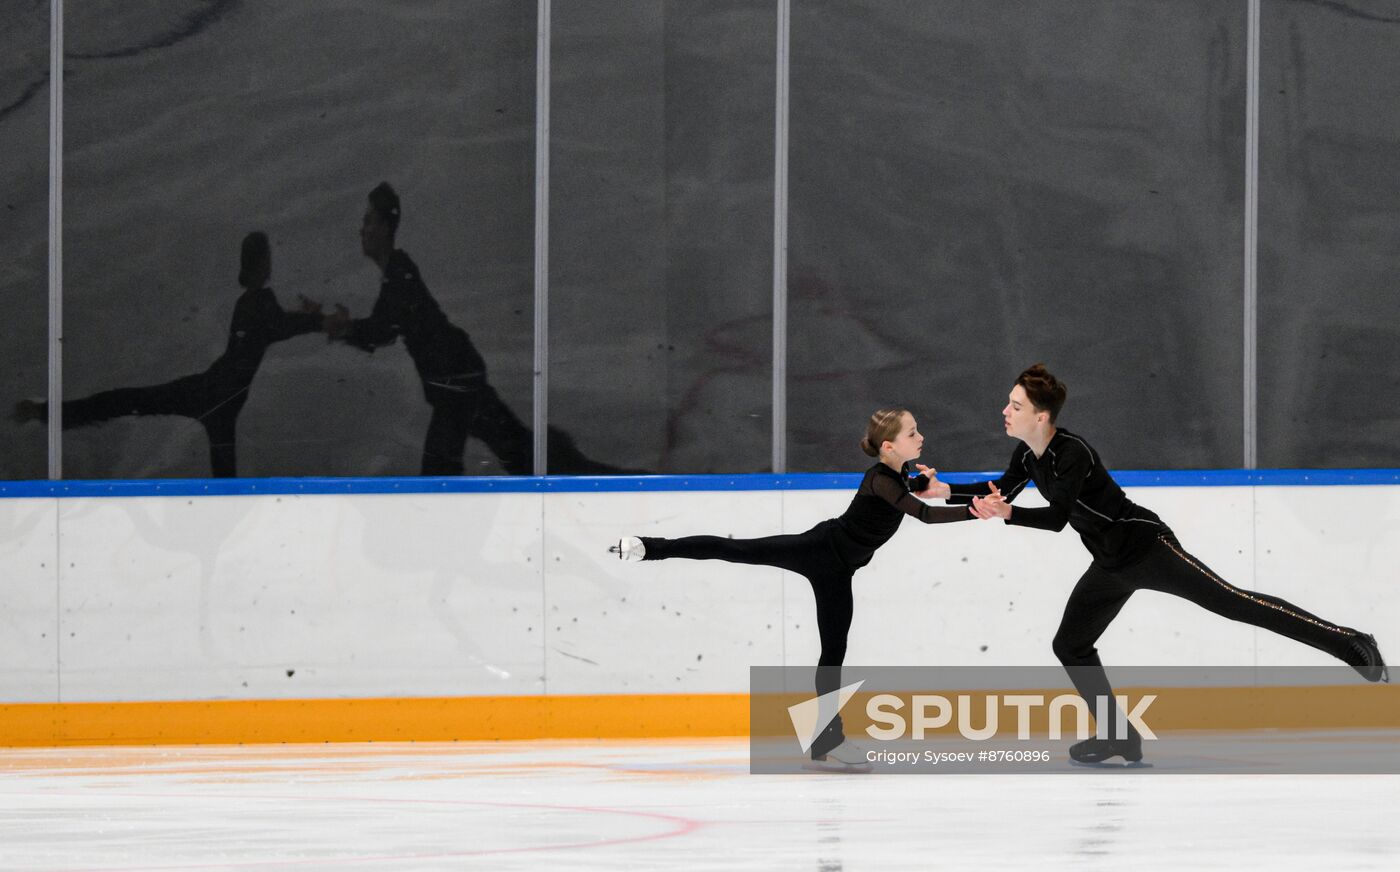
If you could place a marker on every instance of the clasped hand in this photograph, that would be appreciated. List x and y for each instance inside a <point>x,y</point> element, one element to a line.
<point>936,490</point>
<point>991,506</point>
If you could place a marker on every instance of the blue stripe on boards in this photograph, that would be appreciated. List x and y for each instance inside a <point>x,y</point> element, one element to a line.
<point>156,487</point>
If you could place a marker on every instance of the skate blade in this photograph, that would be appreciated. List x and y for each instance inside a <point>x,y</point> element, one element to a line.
<point>831,766</point>
<point>1137,764</point>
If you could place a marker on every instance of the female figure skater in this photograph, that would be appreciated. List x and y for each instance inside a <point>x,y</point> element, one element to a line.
<point>1131,548</point>
<point>829,554</point>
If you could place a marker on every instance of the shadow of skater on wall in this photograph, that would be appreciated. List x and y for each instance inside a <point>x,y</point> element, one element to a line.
<point>452,371</point>
<point>214,397</point>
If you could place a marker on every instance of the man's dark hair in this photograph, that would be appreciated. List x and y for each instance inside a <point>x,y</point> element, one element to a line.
<point>1045,392</point>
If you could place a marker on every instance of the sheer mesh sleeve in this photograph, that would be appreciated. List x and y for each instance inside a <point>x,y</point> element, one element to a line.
<point>894,493</point>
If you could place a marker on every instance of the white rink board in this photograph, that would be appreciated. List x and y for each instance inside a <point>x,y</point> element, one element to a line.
<point>268,597</point>
<point>685,626</point>
<point>372,595</point>
<point>29,641</point>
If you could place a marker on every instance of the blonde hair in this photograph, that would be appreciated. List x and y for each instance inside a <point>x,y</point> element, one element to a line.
<point>884,427</point>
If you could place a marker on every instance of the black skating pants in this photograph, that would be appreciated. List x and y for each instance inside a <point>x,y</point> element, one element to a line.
<point>810,555</point>
<point>1168,568</point>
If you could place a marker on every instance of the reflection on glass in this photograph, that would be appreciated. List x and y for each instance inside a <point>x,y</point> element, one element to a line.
<point>187,125</point>
<point>661,231</point>
<point>24,214</point>
<point>452,371</point>
<point>1329,231</point>
<point>975,187</point>
<point>213,398</point>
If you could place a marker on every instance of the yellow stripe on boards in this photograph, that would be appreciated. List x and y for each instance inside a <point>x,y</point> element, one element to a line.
<point>428,719</point>
<point>434,719</point>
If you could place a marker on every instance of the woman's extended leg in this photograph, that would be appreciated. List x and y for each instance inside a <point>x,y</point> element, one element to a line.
<point>803,553</point>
